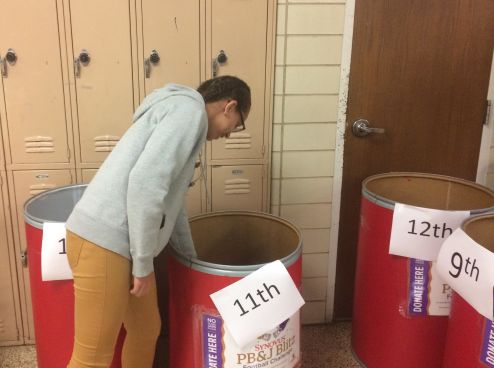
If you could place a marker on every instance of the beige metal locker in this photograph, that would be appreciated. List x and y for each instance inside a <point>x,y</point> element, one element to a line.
<point>10,318</point>
<point>102,59</point>
<point>23,185</point>
<point>34,119</point>
<point>237,187</point>
<point>170,39</point>
<point>238,31</point>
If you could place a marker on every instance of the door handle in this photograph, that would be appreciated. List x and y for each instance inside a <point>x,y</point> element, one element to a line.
<point>362,128</point>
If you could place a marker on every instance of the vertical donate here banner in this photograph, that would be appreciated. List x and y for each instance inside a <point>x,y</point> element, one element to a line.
<point>418,295</point>
<point>212,341</point>
<point>419,232</point>
<point>487,351</point>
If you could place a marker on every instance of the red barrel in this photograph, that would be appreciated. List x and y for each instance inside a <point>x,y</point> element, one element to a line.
<point>230,245</point>
<point>53,301</point>
<point>383,334</point>
<point>468,340</point>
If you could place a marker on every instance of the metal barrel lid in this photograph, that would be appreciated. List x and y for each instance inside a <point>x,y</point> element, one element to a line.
<point>238,270</point>
<point>53,205</point>
<point>385,202</point>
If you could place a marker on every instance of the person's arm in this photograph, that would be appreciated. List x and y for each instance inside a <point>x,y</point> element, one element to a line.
<point>163,158</point>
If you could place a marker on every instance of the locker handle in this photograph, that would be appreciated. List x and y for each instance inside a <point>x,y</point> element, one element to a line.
<point>83,59</point>
<point>217,61</point>
<point>11,58</point>
<point>154,58</point>
<point>3,67</point>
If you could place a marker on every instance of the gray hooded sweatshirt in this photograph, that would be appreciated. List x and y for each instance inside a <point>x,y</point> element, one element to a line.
<point>135,203</point>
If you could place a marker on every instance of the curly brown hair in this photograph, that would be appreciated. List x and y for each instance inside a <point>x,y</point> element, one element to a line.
<point>227,87</point>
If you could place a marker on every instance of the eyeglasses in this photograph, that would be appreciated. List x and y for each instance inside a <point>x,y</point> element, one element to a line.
<point>240,126</point>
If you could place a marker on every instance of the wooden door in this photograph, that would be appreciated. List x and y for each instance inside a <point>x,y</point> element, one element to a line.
<point>34,120</point>
<point>171,32</point>
<point>101,46</point>
<point>419,70</point>
<point>239,29</point>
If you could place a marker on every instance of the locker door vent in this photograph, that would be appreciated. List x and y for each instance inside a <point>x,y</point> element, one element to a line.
<point>39,144</point>
<point>237,186</point>
<point>239,140</point>
<point>105,143</point>
<point>40,188</point>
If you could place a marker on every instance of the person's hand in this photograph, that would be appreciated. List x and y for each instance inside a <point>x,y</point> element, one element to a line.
<point>142,285</point>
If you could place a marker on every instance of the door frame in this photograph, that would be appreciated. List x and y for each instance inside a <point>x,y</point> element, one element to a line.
<point>487,132</point>
<point>482,170</point>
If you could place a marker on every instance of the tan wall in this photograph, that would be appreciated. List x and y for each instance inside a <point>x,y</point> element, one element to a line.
<point>309,40</point>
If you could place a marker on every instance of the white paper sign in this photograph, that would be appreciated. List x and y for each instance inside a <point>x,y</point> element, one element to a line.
<point>54,263</point>
<point>467,267</point>
<point>258,303</point>
<point>419,232</point>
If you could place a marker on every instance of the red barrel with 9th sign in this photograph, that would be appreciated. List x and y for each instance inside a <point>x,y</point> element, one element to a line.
<point>385,331</point>
<point>470,336</point>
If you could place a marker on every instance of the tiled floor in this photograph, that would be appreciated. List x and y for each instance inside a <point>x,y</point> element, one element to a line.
<point>323,346</point>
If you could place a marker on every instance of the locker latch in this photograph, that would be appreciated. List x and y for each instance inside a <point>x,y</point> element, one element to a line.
<point>217,61</point>
<point>24,258</point>
<point>154,58</point>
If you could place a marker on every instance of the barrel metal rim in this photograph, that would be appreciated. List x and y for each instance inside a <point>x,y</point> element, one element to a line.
<point>390,204</point>
<point>470,219</point>
<point>231,270</point>
<point>36,221</point>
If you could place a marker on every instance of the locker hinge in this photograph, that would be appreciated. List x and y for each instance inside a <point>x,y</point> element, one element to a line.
<point>1,182</point>
<point>488,112</point>
<point>68,154</point>
<point>263,149</point>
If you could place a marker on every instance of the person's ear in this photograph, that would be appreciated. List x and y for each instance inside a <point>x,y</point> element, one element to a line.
<point>231,105</point>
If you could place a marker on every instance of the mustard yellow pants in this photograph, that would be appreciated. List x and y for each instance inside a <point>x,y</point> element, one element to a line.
<point>102,281</point>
